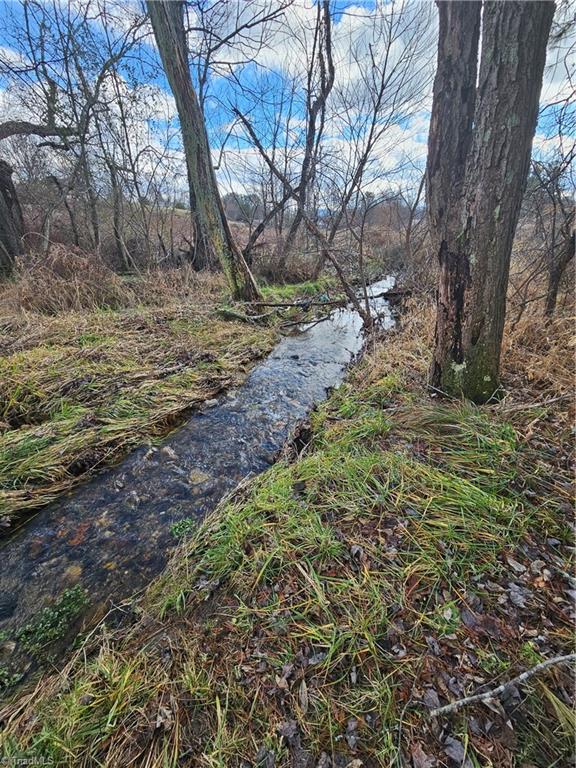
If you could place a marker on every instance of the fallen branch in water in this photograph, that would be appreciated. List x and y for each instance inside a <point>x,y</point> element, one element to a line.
<point>492,694</point>
<point>303,324</point>
<point>231,314</point>
<point>399,293</point>
<point>304,303</point>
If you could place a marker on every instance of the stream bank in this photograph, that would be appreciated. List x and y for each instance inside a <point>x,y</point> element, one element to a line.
<point>415,551</point>
<point>115,533</point>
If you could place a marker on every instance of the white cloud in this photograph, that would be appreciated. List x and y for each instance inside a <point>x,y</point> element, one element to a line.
<point>10,57</point>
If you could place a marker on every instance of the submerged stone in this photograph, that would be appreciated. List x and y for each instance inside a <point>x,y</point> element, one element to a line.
<point>8,604</point>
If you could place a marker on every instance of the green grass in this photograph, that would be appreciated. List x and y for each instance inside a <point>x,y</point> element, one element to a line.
<point>316,596</point>
<point>79,390</point>
<point>295,291</point>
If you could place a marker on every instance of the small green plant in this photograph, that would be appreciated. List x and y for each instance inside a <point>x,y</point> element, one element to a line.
<point>8,678</point>
<point>445,619</point>
<point>184,527</point>
<point>53,622</point>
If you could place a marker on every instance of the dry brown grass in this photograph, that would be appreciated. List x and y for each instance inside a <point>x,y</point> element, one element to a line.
<point>70,280</point>
<point>537,362</point>
<point>538,356</point>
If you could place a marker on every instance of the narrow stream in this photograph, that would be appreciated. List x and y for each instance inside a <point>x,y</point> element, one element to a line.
<point>113,534</point>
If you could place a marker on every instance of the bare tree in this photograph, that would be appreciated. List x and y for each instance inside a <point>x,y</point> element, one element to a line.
<point>61,74</point>
<point>228,34</point>
<point>391,73</point>
<point>11,223</point>
<point>214,241</point>
<point>479,153</point>
<point>560,245</point>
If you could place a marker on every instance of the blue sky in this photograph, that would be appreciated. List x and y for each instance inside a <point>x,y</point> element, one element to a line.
<point>279,61</point>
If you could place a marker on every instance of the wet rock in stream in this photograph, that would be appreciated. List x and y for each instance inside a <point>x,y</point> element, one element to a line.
<point>8,603</point>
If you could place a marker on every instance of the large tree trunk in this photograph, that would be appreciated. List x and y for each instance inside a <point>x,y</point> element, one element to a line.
<point>449,142</point>
<point>11,222</point>
<point>213,239</point>
<point>475,191</point>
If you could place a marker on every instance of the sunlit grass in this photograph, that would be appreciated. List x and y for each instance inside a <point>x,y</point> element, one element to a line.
<point>294,291</point>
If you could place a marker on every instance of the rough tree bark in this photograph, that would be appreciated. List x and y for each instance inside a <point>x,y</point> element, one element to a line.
<point>479,152</point>
<point>11,222</point>
<point>214,242</point>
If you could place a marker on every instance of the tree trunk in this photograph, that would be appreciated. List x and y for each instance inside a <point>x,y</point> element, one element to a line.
<point>285,248</point>
<point>92,201</point>
<point>449,141</point>
<point>556,271</point>
<point>475,188</point>
<point>118,219</point>
<point>214,242</point>
<point>64,198</point>
<point>11,222</point>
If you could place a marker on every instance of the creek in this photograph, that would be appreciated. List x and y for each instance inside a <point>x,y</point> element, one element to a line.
<point>114,534</point>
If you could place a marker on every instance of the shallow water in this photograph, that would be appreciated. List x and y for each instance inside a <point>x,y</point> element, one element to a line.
<point>113,534</point>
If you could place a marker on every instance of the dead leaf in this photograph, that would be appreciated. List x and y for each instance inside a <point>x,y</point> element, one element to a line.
<point>430,699</point>
<point>282,683</point>
<point>351,728</point>
<point>299,487</point>
<point>455,751</point>
<point>289,731</point>
<point>468,618</point>
<point>164,718</point>
<point>515,565</point>
<point>517,595</point>
<point>419,758</point>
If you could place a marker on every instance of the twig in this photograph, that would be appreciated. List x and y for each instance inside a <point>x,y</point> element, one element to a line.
<point>449,708</point>
<point>231,314</point>
<point>541,404</point>
<point>298,304</point>
<point>305,326</point>
<point>304,303</point>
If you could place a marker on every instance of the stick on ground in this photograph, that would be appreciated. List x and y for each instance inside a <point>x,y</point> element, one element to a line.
<point>492,694</point>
